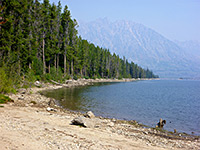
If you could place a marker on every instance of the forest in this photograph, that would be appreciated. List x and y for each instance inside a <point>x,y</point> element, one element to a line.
<point>40,41</point>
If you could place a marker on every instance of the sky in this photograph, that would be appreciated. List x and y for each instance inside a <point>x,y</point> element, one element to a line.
<point>174,19</point>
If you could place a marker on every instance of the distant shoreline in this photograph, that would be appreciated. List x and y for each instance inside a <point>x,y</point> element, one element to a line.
<point>83,82</point>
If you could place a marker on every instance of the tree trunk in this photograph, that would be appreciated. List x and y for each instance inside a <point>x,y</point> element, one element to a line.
<point>65,63</point>
<point>49,67</point>
<point>57,62</point>
<point>84,71</point>
<point>43,56</point>
<point>19,68</point>
<point>72,67</point>
<point>81,72</point>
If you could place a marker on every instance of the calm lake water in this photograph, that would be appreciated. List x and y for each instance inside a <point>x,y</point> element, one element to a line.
<point>176,101</point>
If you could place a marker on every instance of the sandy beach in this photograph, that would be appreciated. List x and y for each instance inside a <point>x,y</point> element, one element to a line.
<point>31,122</point>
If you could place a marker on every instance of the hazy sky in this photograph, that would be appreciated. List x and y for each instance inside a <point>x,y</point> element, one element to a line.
<point>174,19</point>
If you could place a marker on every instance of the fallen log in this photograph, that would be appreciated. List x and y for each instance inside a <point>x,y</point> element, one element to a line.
<point>57,83</point>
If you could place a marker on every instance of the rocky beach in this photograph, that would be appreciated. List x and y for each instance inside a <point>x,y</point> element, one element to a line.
<point>34,121</point>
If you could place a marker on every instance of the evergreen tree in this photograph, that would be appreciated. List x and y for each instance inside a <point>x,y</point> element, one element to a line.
<point>35,35</point>
<point>65,21</point>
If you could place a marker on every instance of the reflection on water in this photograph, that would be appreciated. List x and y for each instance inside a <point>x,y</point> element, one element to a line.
<point>74,98</point>
<point>176,101</point>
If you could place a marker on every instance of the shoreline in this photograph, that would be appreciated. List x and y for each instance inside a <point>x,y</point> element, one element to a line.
<point>84,82</point>
<point>31,101</point>
<point>90,82</point>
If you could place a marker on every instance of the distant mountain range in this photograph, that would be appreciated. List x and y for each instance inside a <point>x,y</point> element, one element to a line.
<point>145,47</point>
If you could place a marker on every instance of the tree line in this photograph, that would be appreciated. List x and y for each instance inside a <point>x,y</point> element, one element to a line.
<point>42,39</point>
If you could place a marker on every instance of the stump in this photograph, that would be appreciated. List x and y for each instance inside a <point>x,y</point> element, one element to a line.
<point>161,123</point>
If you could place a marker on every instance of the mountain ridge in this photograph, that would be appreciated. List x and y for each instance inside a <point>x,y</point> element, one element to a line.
<point>141,45</point>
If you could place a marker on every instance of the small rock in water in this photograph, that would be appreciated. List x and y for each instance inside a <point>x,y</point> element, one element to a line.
<point>161,123</point>
<point>89,114</point>
<point>175,131</point>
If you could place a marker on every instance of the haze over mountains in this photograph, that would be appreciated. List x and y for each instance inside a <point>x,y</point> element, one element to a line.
<point>145,47</point>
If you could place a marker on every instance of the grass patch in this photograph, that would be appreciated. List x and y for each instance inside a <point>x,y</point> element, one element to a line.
<point>4,99</point>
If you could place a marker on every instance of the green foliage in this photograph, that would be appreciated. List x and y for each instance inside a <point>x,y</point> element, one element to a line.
<point>75,77</point>
<point>47,77</point>
<point>86,77</point>
<point>30,76</point>
<point>37,66</point>
<point>56,75</point>
<point>120,78</point>
<point>5,82</point>
<point>41,43</point>
<point>4,99</point>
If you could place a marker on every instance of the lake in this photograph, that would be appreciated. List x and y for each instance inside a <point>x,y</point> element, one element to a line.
<point>176,101</point>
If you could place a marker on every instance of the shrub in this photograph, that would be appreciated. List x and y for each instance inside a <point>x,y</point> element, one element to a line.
<point>37,66</point>
<point>75,77</point>
<point>47,76</point>
<point>120,77</point>
<point>56,74</point>
<point>86,77</point>
<point>4,99</point>
<point>64,78</point>
<point>5,82</point>
<point>98,76</point>
<point>94,77</point>
<point>30,76</point>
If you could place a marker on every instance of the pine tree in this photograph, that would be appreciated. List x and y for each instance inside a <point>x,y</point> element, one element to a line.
<point>65,20</point>
<point>35,35</point>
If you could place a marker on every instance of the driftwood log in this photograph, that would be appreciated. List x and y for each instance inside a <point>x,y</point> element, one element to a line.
<point>57,83</point>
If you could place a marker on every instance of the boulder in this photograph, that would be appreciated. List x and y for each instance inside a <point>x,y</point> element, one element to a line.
<point>84,122</point>
<point>89,114</point>
<point>37,83</point>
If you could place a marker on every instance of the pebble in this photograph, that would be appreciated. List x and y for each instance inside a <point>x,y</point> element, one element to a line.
<point>51,109</point>
<point>67,117</point>
<point>111,124</point>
